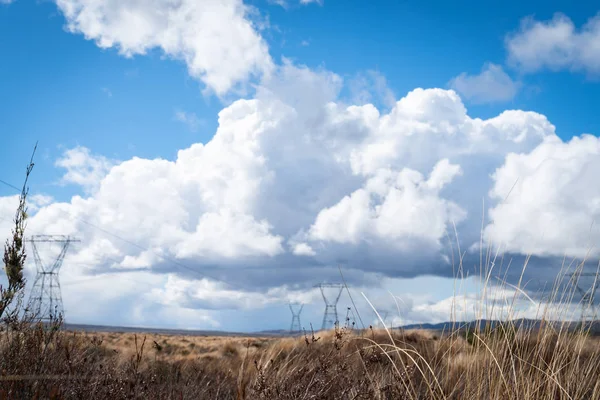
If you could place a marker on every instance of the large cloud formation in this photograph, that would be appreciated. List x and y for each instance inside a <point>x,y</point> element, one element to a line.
<point>294,182</point>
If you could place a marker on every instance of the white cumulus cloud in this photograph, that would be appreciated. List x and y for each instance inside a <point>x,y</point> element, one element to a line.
<point>205,294</point>
<point>294,182</point>
<point>303,249</point>
<point>83,168</point>
<point>216,39</point>
<point>556,44</point>
<point>553,204</point>
<point>294,165</point>
<point>392,206</point>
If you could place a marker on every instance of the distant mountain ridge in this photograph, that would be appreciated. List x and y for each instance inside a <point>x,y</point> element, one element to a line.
<point>522,323</point>
<point>442,326</point>
<point>159,331</point>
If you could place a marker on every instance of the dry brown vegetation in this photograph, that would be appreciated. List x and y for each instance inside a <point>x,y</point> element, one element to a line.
<point>495,363</point>
<point>176,347</point>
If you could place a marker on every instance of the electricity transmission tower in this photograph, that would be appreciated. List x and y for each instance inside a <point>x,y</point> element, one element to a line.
<point>384,315</point>
<point>589,308</point>
<point>296,326</point>
<point>350,319</point>
<point>45,301</point>
<point>330,317</point>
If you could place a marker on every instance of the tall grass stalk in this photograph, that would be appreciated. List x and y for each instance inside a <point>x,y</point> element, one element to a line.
<point>14,255</point>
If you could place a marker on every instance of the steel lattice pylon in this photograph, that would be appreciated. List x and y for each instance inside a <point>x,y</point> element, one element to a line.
<point>330,317</point>
<point>381,319</point>
<point>384,316</point>
<point>45,301</point>
<point>296,326</point>
<point>589,307</point>
<point>350,319</point>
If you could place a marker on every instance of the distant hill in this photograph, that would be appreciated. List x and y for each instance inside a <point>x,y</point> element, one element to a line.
<point>442,326</point>
<point>190,332</point>
<point>519,323</point>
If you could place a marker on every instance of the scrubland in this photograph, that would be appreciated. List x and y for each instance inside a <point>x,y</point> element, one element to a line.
<point>499,363</point>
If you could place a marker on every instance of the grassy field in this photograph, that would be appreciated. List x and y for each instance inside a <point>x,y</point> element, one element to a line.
<point>175,348</point>
<point>499,363</point>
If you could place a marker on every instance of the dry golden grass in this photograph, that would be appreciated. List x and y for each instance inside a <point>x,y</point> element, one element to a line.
<point>495,363</point>
<point>171,348</point>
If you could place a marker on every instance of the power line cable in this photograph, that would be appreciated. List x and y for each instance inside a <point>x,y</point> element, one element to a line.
<point>10,186</point>
<point>105,276</point>
<point>97,277</point>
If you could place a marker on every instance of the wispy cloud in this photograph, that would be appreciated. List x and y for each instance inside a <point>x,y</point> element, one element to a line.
<point>282,3</point>
<point>132,73</point>
<point>491,85</point>
<point>188,118</point>
<point>370,87</point>
<point>286,3</point>
<point>107,91</point>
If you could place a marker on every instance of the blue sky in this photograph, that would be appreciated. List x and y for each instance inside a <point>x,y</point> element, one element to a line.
<point>94,108</point>
<point>85,96</point>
